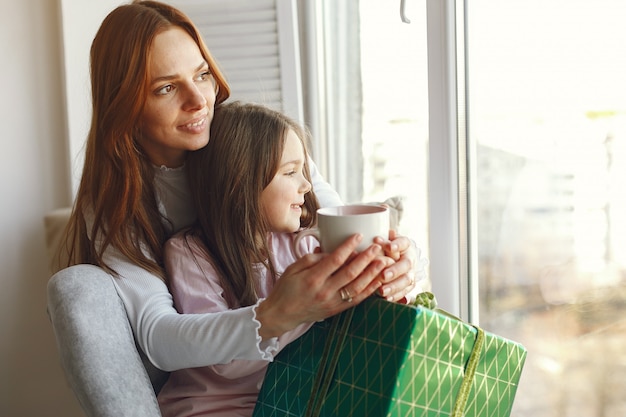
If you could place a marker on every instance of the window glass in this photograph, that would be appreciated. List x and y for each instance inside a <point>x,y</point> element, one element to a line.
<point>395,111</point>
<point>547,118</point>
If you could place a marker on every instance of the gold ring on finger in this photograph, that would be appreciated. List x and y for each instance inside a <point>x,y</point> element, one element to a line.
<point>345,295</point>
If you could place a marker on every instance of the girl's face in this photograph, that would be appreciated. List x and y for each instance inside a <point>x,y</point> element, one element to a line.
<point>181,96</point>
<point>283,197</point>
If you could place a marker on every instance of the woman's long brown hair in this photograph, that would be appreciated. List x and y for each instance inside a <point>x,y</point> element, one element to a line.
<point>116,189</point>
<point>227,177</point>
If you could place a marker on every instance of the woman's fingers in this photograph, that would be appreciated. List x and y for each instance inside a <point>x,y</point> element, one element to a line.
<point>331,262</point>
<point>359,268</point>
<point>399,288</point>
<point>399,278</point>
<point>342,266</point>
<point>407,277</point>
<point>357,277</point>
<point>320,285</point>
<point>360,277</point>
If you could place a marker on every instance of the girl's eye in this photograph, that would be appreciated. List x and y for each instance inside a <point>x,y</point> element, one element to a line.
<point>165,90</point>
<point>291,173</point>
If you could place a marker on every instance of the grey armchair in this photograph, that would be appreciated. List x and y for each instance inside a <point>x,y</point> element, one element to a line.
<point>106,370</point>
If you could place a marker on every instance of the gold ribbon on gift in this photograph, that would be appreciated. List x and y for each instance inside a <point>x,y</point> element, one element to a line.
<point>332,348</point>
<point>428,300</point>
<point>334,343</point>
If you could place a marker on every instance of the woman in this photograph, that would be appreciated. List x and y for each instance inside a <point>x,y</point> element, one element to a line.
<point>154,88</point>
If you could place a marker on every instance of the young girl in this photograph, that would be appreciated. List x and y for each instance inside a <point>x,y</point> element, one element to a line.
<point>252,190</point>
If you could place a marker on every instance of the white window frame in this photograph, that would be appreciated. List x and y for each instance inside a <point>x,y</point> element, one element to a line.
<point>451,220</point>
<point>452,266</point>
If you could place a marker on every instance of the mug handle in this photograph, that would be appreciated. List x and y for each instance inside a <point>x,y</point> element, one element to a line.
<point>300,235</point>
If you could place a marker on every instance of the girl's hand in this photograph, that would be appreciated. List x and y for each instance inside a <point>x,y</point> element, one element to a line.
<point>320,285</point>
<point>407,277</point>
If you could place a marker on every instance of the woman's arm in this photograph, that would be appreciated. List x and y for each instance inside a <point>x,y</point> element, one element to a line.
<point>325,194</point>
<point>174,341</point>
<point>307,291</point>
<point>196,289</point>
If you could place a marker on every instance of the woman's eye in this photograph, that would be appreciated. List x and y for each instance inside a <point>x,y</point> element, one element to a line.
<point>165,90</point>
<point>204,76</point>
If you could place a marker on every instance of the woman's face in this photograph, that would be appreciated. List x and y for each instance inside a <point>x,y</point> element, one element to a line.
<point>283,197</point>
<point>181,95</point>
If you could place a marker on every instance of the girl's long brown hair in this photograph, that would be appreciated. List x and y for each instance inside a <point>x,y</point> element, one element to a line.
<point>227,177</point>
<point>116,188</point>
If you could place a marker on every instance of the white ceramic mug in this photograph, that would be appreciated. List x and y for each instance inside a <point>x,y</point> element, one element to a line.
<point>336,224</point>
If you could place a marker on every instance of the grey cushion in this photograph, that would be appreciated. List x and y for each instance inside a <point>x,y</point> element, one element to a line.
<point>103,366</point>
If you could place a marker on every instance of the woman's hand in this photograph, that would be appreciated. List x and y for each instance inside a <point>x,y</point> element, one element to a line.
<point>321,285</point>
<point>407,277</point>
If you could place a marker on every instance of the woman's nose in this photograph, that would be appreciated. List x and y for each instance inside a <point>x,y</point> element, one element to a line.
<point>194,99</point>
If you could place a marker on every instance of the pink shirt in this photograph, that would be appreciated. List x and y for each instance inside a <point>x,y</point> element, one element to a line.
<point>229,389</point>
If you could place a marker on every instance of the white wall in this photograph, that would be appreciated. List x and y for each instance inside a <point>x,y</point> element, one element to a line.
<point>80,19</point>
<point>34,175</point>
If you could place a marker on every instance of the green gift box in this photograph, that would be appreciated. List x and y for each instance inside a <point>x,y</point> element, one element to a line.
<point>388,359</point>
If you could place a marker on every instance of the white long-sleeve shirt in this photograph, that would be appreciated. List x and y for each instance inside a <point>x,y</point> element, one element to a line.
<point>175,341</point>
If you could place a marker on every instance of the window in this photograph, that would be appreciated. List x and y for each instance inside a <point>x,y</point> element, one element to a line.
<point>395,113</point>
<point>548,123</point>
<point>506,137</point>
<point>370,118</point>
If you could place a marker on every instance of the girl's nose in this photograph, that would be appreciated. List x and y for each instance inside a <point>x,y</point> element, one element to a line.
<point>306,186</point>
